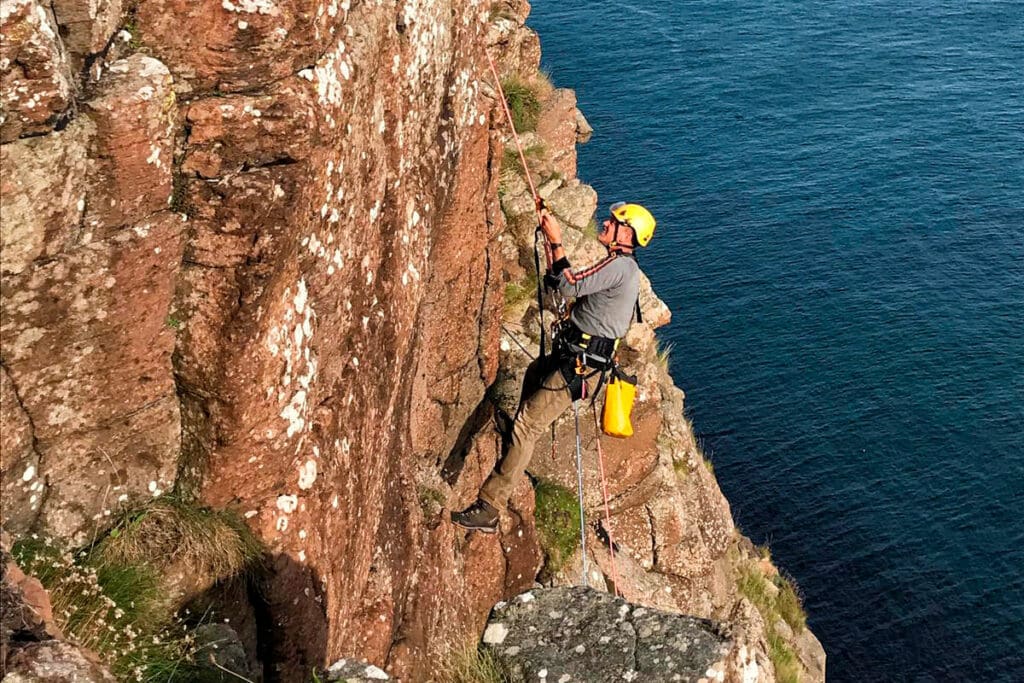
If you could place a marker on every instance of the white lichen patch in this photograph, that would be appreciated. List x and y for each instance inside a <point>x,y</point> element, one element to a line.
<point>251,7</point>
<point>287,503</point>
<point>307,475</point>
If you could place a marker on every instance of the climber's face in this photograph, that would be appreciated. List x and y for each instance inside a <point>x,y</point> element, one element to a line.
<point>607,233</point>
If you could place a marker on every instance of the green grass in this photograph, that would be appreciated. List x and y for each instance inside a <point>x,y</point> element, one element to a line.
<point>782,604</point>
<point>558,523</point>
<point>787,667</point>
<point>471,664</point>
<point>172,322</point>
<point>110,597</point>
<point>523,102</point>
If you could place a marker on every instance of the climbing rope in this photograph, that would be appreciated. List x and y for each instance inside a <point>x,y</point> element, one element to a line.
<point>607,508</point>
<point>579,484</point>
<point>537,202</point>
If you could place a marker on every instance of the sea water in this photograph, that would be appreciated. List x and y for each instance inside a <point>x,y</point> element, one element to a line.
<point>840,194</point>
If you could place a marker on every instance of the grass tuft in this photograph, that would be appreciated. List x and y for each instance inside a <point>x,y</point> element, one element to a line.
<point>787,667</point>
<point>558,523</point>
<point>663,355</point>
<point>523,102</point>
<point>782,602</point>
<point>471,664</point>
<point>214,543</point>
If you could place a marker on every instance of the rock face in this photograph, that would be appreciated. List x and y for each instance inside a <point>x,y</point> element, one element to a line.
<point>254,254</point>
<point>579,634</point>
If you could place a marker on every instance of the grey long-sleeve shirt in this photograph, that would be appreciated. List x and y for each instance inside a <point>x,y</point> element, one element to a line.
<point>605,293</point>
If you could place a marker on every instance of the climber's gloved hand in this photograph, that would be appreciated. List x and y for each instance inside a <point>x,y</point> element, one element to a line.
<point>550,281</point>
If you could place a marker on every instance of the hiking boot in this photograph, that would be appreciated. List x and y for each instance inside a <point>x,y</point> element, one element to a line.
<point>481,516</point>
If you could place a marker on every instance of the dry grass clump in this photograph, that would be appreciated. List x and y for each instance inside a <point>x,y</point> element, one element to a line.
<point>470,664</point>
<point>663,355</point>
<point>213,543</point>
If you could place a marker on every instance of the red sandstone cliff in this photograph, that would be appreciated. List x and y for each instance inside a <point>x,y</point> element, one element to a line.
<point>253,251</point>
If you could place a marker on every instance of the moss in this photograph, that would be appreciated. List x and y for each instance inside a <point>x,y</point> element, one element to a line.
<point>431,500</point>
<point>179,194</point>
<point>498,11</point>
<point>558,523</point>
<point>518,292</point>
<point>172,322</point>
<point>590,232</point>
<point>513,163</point>
<point>523,102</point>
<point>682,470</point>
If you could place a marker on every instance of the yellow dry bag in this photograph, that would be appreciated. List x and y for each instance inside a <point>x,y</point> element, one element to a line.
<point>618,404</point>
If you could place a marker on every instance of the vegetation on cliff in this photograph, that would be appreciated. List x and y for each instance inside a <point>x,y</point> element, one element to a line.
<point>117,595</point>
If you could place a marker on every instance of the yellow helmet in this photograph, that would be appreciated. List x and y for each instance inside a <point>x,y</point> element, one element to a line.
<point>636,217</point>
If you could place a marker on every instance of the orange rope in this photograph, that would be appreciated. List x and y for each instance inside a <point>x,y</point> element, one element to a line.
<point>515,135</point>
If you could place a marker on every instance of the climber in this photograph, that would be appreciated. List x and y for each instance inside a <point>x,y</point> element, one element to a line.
<point>606,295</point>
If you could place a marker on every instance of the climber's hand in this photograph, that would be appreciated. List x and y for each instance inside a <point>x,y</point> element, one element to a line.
<point>549,225</point>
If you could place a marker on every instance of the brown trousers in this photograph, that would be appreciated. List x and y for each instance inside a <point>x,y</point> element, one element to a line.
<point>545,396</point>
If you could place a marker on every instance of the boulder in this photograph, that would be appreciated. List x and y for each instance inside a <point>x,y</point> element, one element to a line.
<point>355,671</point>
<point>87,346</point>
<point>580,634</point>
<point>86,27</point>
<point>574,205</point>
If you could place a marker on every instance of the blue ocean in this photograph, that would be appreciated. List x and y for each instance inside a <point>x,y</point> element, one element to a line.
<point>840,195</point>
